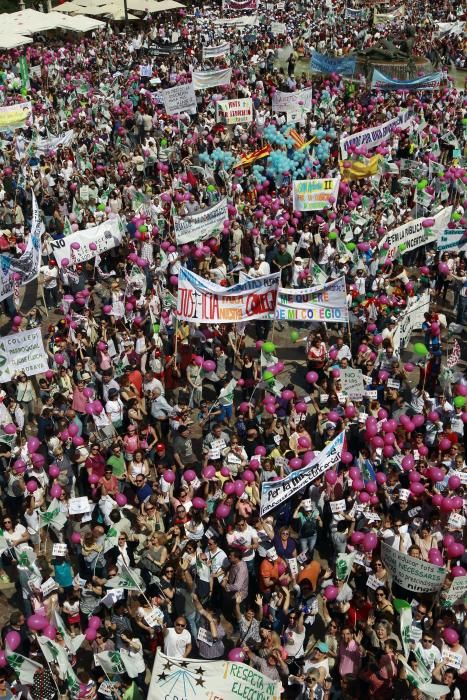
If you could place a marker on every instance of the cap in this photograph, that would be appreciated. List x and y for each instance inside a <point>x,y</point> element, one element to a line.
<point>330,425</point>
<point>323,647</point>
<point>160,447</point>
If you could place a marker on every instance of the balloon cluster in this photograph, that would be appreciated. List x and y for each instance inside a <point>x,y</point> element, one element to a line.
<point>218,156</point>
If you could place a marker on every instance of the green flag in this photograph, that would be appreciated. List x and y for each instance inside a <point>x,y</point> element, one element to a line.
<point>110,661</point>
<point>128,579</point>
<point>23,667</point>
<point>24,72</point>
<point>53,517</point>
<point>318,274</point>
<point>67,227</point>
<point>344,565</point>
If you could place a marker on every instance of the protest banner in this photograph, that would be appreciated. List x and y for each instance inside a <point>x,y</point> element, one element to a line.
<point>415,575</point>
<point>356,169</point>
<point>203,79</point>
<point>14,116</point>
<point>376,135</point>
<point>235,111</point>
<point>201,301</point>
<point>342,65</point>
<point>352,383</point>
<point>324,303</point>
<point>353,14</point>
<point>102,237</point>
<point>16,272</point>
<point>273,493</point>
<point>178,99</point>
<point>238,22</point>
<point>22,352</point>
<point>293,103</point>
<point>457,590</point>
<point>452,239</point>
<point>239,5</point>
<point>200,226</point>
<point>383,17</point>
<point>278,28</point>
<point>413,318</point>
<point>145,71</point>
<point>192,679</point>
<point>314,195</point>
<point>379,81</point>
<point>413,235</point>
<point>215,51</point>
<point>45,146</point>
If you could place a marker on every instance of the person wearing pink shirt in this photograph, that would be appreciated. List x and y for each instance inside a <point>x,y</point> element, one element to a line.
<point>349,653</point>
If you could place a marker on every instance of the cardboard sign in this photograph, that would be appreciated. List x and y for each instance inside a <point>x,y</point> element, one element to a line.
<point>338,506</point>
<point>49,586</point>
<point>78,506</point>
<point>413,574</point>
<point>293,566</point>
<point>59,550</point>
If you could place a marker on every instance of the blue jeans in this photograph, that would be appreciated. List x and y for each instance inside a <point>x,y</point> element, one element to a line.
<point>461,309</point>
<point>307,544</point>
<point>193,623</point>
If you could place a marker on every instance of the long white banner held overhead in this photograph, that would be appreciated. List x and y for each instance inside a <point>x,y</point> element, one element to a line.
<point>238,22</point>
<point>178,99</point>
<point>273,493</point>
<point>235,111</point>
<point>298,102</point>
<point>201,301</point>
<point>44,146</point>
<point>22,352</point>
<point>215,51</point>
<point>19,271</point>
<point>324,303</point>
<point>104,237</point>
<point>192,679</point>
<point>452,239</point>
<point>200,226</point>
<point>413,234</point>
<point>414,575</point>
<point>376,135</point>
<point>203,79</point>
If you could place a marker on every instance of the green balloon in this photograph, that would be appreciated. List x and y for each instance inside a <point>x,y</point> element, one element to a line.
<point>267,375</point>
<point>24,91</point>
<point>101,207</point>
<point>332,236</point>
<point>400,604</point>
<point>268,346</point>
<point>402,247</point>
<point>143,228</point>
<point>459,401</point>
<point>156,328</point>
<point>420,349</point>
<point>464,121</point>
<point>294,336</point>
<point>456,216</point>
<point>211,188</point>
<point>422,184</point>
<point>350,246</point>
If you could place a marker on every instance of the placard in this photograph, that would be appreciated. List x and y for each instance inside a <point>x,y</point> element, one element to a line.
<point>49,586</point>
<point>352,383</point>
<point>179,99</point>
<point>415,575</point>
<point>59,549</point>
<point>235,111</point>
<point>103,237</point>
<point>315,194</point>
<point>338,506</point>
<point>78,506</point>
<point>22,352</point>
<point>205,636</point>
<point>451,659</point>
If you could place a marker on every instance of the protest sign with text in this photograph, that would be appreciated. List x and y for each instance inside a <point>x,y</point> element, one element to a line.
<point>376,135</point>
<point>415,575</point>
<point>273,493</point>
<point>203,79</point>
<point>200,226</point>
<point>235,111</point>
<point>22,352</point>
<point>181,98</point>
<point>314,195</point>
<point>379,81</point>
<point>413,234</point>
<point>343,65</point>
<point>216,51</point>
<point>103,237</point>
<point>201,301</point>
<point>323,303</point>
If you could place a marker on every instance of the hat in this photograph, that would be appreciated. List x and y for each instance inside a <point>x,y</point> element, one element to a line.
<point>85,376</point>
<point>307,505</point>
<point>323,647</point>
<point>271,554</point>
<point>330,425</point>
<point>261,256</point>
<point>244,497</point>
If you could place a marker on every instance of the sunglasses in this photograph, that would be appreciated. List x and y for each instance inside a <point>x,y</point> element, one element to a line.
<point>169,571</point>
<point>427,640</point>
<point>179,624</point>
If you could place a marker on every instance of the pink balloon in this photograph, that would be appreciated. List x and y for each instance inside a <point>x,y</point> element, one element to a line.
<point>354,473</point>
<point>248,476</point>
<point>311,377</point>
<point>331,593</point>
<point>56,491</point>
<point>236,655</point>
<point>364,497</point>
<point>358,485</point>
<point>458,571</point>
<point>260,450</point>
<point>222,511</point>
<point>9,429</point>
<point>37,622</point>
<point>295,463</point>
<point>75,538</point>
<point>199,503</point>
<point>50,632</point>
<point>3,659</point>
<point>357,537</point>
<point>416,489</point>
<point>444,444</point>
<point>90,634</point>
<point>448,540</point>
<point>189,475</point>
<point>381,478</point>
<point>121,499</point>
<point>370,542</point>
<point>229,488</point>
<point>331,477</point>
<point>346,457</point>
<point>168,476</point>
<point>239,487</point>
<point>31,486</point>
<point>33,444</point>
<point>456,550</point>
<point>12,640</point>
<point>94,622</point>
<point>435,557</point>
<point>450,636</point>
<point>437,499</point>
<point>209,471</point>
<point>454,482</point>
<point>304,442</point>
<point>333,416</point>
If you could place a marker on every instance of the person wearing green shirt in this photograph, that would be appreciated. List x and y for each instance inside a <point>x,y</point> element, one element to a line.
<point>282,261</point>
<point>117,462</point>
<point>128,690</point>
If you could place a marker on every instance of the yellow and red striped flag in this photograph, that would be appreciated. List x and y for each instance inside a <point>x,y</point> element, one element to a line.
<point>249,158</point>
<point>298,141</point>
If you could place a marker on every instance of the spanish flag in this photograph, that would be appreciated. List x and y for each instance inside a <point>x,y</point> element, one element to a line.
<point>360,169</point>
<point>300,144</point>
<point>249,158</point>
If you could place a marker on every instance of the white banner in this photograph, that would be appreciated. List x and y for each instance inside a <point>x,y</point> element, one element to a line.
<point>203,79</point>
<point>235,111</point>
<point>376,135</point>
<point>237,22</point>
<point>273,493</point>
<point>200,226</point>
<point>215,51</point>
<point>413,318</point>
<point>44,146</point>
<point>324,303</point>
<point>415,575</point>
<point>383,17</point>
<point>195,679</point>
<point>180,98</point>
<point>452,239</point>
<point>22,352</point>
<point>201,301</point>
<point>413,234</point>
<point>105,236</point>
<point>14,116</point>
<point>457,590</point>
<point>313,195</point>
<point>20,271</point>
<point>293,103</point>
<point>278,28</point>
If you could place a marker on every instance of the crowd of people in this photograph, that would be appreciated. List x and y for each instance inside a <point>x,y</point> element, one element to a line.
<point>133,471</point>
